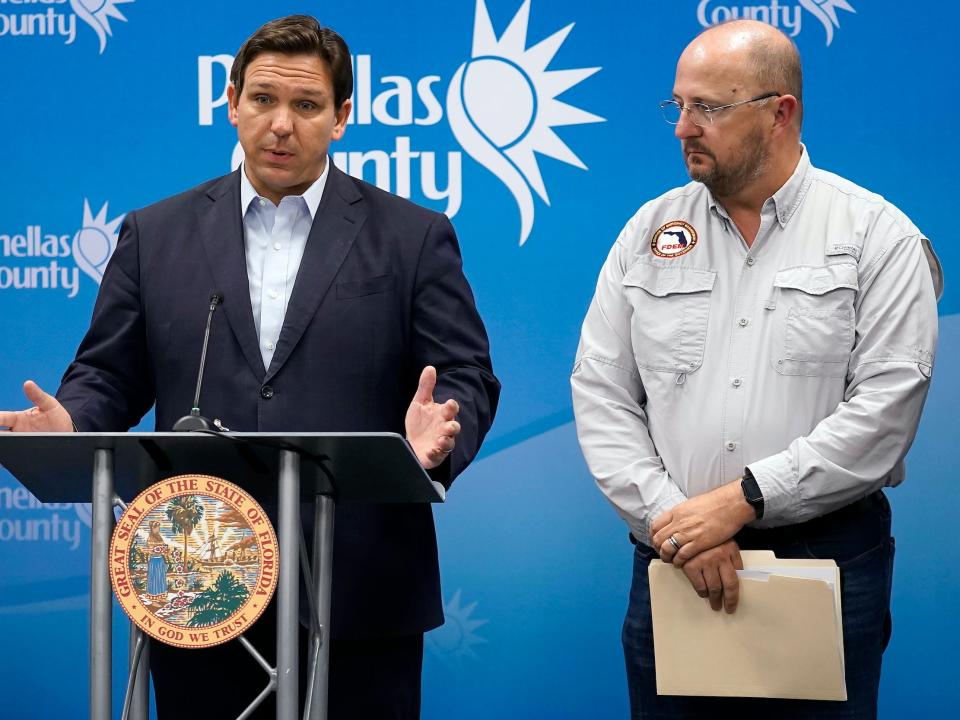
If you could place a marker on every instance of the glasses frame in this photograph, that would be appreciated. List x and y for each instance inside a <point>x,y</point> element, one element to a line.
<point>708,110</point>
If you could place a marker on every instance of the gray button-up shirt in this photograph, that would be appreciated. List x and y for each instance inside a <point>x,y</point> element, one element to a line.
<point>806,357</point>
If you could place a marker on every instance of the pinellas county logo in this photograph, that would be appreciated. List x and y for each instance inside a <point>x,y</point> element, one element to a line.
<point>501,104</point>
<point>51,20</point>
<point>194,561</point>
<point>33,258</point>
<point>779,13</point>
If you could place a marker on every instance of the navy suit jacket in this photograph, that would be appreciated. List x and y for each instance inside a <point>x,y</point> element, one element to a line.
<point>379,295</point>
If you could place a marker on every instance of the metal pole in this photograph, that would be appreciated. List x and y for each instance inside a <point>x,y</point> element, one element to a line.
<point>101,627</point>
<point>140,659</point>
<point>320,625</point>
<point>288,597</point>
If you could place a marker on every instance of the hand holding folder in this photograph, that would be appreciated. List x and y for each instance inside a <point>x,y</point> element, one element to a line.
<point>784,641</point>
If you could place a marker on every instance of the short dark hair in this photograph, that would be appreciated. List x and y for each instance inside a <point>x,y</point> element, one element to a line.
<point>299,35</point>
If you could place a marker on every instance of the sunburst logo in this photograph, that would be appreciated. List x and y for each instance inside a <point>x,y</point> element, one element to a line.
<point>502,107</point>
<point>826,12</point>
<point>95,242</point>
<point>453,642</point>
<point>97,14</point>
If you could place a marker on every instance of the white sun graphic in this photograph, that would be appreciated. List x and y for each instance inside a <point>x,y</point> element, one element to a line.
<point>97,14</point>
<point>826,12</point>
<point>95,242</point>
<point>453,642</point>
<point>502,105</point>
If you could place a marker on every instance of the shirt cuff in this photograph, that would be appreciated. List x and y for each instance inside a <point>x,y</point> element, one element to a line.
<point>642,533</point>
<point>779,485</point>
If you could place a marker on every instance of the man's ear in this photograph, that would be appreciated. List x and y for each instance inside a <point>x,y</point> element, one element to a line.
<point>343,114</point>
<point>233,100</point>
<point>787,108</point>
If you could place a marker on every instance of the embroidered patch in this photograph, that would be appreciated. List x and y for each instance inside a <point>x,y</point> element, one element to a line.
<point>673,239</point>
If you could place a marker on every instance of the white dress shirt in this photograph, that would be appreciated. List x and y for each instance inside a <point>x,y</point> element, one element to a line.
<point>806,356</point>
<point>274,240</point>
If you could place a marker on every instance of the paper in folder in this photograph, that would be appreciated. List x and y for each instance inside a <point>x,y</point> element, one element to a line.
<point>784,641</point>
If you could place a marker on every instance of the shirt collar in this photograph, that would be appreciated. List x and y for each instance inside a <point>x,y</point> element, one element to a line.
<point>787,199</point>
<point>311,196</point>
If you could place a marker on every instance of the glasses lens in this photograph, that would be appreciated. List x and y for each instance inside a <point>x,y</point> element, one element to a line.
<point>671,111</point>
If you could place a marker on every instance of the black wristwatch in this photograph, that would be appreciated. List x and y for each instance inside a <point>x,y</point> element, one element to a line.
<point>751,492</point>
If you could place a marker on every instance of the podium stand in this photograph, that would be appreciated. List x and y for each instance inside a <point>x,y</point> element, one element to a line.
<point>106,469</point>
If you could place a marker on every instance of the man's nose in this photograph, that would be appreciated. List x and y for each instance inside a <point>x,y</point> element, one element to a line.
<point>281,123</point>
<point>686,127</point>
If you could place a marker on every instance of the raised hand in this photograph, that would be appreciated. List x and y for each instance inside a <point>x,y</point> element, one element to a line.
<point>431,427</point>
<point>46,415</point>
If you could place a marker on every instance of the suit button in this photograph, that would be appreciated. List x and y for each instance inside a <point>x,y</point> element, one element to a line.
<point>266,392</point>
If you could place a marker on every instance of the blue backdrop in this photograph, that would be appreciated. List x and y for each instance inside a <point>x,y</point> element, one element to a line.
<point>456,108</point>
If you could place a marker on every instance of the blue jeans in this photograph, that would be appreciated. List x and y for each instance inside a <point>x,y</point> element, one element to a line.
<point>858,538</point>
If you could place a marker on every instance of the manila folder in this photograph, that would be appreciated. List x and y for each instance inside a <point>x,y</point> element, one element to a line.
<point>785,639</point>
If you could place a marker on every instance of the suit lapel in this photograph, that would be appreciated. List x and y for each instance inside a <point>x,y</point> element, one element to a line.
<point>339,219</point>
<point>221,229</point>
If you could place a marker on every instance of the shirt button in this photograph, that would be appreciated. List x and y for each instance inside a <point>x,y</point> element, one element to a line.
<point>262,202</point>
<point>751,261</point>
<point>744,322</point>
<point>266,392</point>
<point>737,382</point>
<point>274,294</point>
<point>277,246</point>
<point>731,445</point>
<point>270,346</point>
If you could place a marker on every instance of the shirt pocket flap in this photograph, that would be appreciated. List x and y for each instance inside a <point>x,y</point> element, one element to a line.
<point>662,281</point>
<point>818,280</point>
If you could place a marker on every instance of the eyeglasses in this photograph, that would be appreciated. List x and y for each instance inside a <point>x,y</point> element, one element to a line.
<point>701,114</point>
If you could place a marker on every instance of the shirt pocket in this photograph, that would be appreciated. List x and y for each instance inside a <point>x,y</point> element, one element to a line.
<point>671,311</point>
<point>817,330</point>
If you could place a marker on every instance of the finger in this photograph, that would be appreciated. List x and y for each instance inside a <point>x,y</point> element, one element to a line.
<point>7,419</point>
<point>38,397</point>
<point>428,381</point>
<point>687,550</point>
<point>695,576</point>
<point>444,444</point>
<point>731,586</point>
<point>451,429</point>
<point>658,524</point>
<point>449,410</point>
<point>667,551</point>
<point>736,559</point>
<point>714,586</point>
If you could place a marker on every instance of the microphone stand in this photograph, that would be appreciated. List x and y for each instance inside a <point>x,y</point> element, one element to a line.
<point>195,421</point>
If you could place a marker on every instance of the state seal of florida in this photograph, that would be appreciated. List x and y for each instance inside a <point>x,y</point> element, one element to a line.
<point>194,561</point>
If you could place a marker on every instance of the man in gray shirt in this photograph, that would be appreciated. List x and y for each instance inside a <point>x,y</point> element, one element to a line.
<point>753,365</point>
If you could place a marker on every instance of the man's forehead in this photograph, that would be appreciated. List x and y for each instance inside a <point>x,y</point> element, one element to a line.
<point>705,70</point>
<point>308,71</point>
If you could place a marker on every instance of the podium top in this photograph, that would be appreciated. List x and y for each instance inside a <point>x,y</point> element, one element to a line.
<point>355,467</point>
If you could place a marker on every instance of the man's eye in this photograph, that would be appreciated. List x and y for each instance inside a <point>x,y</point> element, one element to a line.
<point>261,99</point>
<point>307,106</point>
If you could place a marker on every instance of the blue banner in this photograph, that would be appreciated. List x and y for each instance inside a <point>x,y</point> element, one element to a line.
<point>535,127</point>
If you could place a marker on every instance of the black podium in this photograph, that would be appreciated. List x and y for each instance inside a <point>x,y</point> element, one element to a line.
<point>107,469</point>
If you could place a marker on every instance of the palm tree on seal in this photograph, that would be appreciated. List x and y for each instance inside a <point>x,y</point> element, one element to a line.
<point>219,601</point>
<point>185,512</point>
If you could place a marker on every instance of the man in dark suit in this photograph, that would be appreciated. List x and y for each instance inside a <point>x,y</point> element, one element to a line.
<point>341,303</point>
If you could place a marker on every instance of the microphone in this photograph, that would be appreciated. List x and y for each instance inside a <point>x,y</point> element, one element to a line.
<point>196,421</point>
